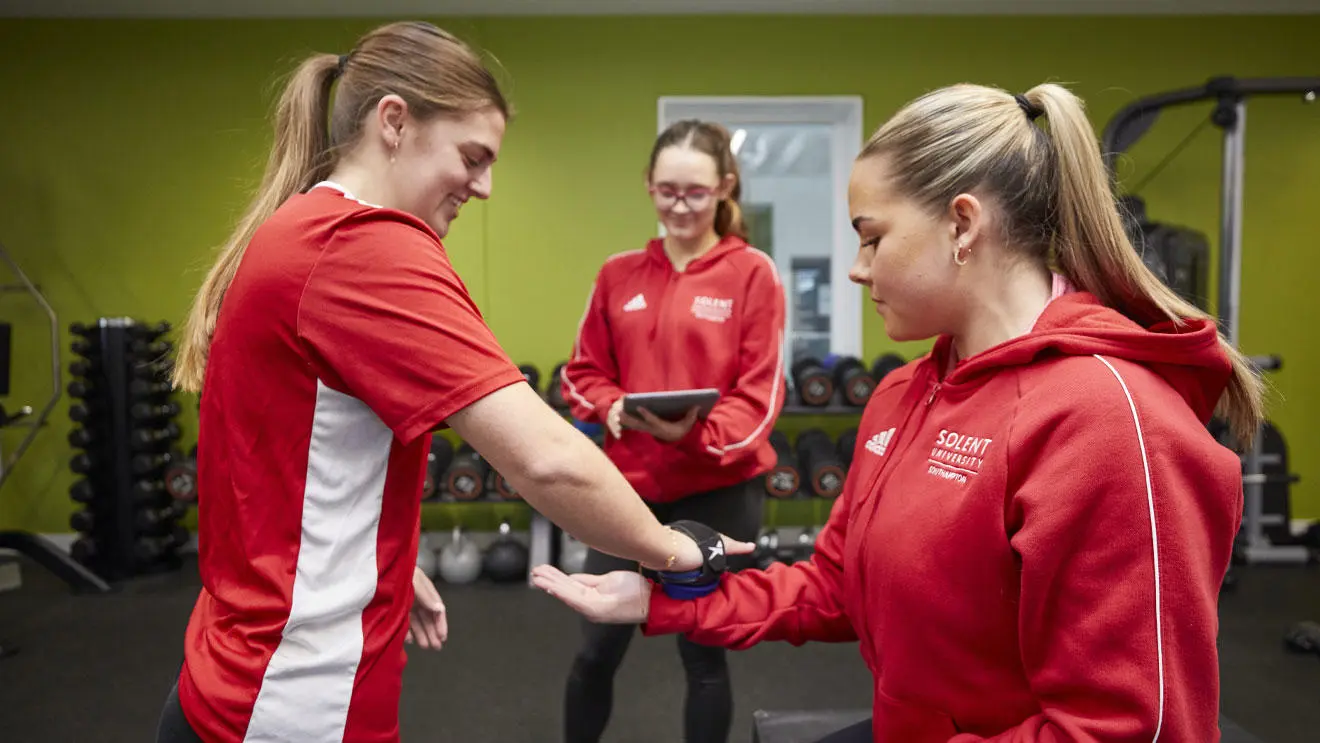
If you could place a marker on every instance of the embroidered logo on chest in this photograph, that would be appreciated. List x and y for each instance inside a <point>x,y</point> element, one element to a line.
<point>712,309</point>
<point>957,456</point>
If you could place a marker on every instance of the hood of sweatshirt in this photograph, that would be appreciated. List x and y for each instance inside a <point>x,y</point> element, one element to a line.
<point>1188,357</point>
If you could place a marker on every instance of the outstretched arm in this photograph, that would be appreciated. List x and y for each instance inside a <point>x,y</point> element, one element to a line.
<point>793,603</point>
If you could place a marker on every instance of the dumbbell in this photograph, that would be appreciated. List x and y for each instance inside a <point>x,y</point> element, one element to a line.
<point>554,391</point>
<point>767,549</point>
<point>884,364</point>
<point>465,477</point>
<point>180,478</point>
<point>820,463</point>
<point>82,521</point>
<point>851,377</point>
<point>847,443</point>
<point>140,388</point>
<point>438,460</point>
<point>495,483</point>
<point>814,385</point>
<point>149,549</point>
<point>144,438</point>
<point>783,480</point>
<point>532,375</point>
<point>143,411</point>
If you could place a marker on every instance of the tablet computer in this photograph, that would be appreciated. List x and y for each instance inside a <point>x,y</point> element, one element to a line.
<point>673,404</point>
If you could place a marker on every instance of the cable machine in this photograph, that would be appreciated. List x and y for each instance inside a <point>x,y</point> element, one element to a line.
<point>38,548</point>
<point>1230,96</point>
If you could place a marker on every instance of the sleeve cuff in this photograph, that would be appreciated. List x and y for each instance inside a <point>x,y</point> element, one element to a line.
<point>668,616</point>
<point>693,442</point>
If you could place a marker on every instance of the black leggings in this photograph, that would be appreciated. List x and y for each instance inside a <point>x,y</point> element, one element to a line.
<point>858,733</point>
<point>173,726</point>
<point>708,709</point>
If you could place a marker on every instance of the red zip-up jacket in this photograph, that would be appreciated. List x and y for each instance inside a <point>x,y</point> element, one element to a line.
<point>649,328</point>
<point>1029,549</point>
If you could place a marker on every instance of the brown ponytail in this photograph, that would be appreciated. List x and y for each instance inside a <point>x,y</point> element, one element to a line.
<point>433,71</point>
<point>1056,197</point>
<point>298,159</point>
<point>714,140</point>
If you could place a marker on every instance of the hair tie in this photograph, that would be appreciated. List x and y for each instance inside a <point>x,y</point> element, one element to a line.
<point>343,60</point>
<point>1031,110</point>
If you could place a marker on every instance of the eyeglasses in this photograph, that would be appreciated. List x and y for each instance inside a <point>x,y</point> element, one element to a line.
<point>697,198</point>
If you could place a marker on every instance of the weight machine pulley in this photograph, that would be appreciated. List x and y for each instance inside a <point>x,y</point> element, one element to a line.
<point>1230,95</point>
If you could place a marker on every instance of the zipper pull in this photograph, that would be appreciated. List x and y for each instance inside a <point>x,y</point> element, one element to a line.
<point>930,400</point>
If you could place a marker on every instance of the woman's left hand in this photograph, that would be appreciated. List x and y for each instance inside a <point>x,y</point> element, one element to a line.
<point>428,626</point>
<point>668,431</point>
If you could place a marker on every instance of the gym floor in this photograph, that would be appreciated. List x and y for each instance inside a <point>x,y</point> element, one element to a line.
<point>96,668</point>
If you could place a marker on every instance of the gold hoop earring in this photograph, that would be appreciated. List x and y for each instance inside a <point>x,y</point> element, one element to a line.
<point>958,256</point>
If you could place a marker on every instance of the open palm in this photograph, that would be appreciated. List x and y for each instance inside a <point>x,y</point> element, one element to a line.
<point>620,597</point>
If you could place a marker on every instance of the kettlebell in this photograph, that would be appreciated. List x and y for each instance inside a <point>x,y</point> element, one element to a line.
<point>426,559</point>
<point>572,555</point>
<point>767,549</point>
<point>506,558</point>
<point>460,560</point>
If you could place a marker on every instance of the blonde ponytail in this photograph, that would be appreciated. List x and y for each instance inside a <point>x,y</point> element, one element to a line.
<point>299,158</point>
<point>1093,250</point>
<point>1055,192</point>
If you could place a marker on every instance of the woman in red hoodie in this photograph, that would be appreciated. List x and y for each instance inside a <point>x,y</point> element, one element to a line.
<point>1037,522</point>
<point>698,308</point>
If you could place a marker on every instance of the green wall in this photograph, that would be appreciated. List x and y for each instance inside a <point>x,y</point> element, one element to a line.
<point>128,147</point>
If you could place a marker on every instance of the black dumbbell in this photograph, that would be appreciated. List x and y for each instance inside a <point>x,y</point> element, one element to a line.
<point>532,375</point>
<point>82,491</point>
<point>465,477</point>
<point>814,385</point>
<point>821,465</point>
<point>853,380</point>
<point>783,480</point>
<point>495,483</point>
<point>554,391</point>
<point>437,462</point>
<point>82,521</point>
<point>884,364</point>
<point>847,442</point>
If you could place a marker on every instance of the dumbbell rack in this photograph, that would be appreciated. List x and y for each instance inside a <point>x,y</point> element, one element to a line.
<point>128,523</point>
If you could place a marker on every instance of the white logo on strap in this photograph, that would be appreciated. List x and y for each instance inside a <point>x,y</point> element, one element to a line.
<point>717,549</point>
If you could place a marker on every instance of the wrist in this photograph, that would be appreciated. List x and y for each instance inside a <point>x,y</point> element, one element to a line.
<point>665,553</point>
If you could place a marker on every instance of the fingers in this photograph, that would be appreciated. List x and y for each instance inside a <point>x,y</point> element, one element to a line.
<point>442,627</point>
<point>629,421</point>
<point>734,547</point>
<point>408,638</point>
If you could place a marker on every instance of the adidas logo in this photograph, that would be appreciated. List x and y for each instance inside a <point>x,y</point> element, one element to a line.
<point>636,303</point>
<point>880,442</point>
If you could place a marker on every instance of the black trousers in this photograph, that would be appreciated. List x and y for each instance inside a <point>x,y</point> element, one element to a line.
<point>173,726</point>
<point>858,733</point>
<point>708,708</point>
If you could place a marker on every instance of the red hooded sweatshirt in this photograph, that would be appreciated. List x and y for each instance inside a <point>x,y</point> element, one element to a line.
<point>1029,549</point>
<point>649,328</point>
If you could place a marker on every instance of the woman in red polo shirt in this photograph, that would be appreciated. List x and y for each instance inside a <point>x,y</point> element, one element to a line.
<point>331,337</point>
<point>1037,521</point>
<point>698,308</point>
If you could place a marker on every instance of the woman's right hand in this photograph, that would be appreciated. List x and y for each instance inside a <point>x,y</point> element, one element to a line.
<point>613,419</point>
<point>620,597</point>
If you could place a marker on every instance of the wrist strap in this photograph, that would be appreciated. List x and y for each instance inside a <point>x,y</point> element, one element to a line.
<point>692,584</point>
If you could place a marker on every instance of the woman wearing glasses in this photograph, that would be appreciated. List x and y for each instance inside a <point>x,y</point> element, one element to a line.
<point>697,308</point>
